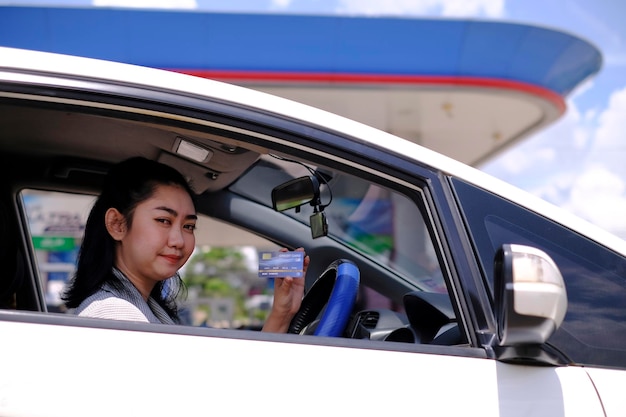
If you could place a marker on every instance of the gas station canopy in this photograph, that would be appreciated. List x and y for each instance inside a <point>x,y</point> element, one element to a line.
<point>465,88</point>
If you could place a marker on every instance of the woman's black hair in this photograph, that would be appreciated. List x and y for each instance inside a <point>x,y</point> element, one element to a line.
<point>127,184</point>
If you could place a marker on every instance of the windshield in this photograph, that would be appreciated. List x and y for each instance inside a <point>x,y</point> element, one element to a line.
<point>379,223</point>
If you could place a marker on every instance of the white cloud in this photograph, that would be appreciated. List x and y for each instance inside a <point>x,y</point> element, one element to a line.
<point>448,8</point>
<point>515,162</point>
<point>612,122</point>
<point>597,195</point>
<point>590,115</point>
<point>491,8</point>
<point>518,160</point>
<point>597,192</point>
<point>557,189</point>
<point>281,3</point>
<point>615,59</point>
<point>148,4</point>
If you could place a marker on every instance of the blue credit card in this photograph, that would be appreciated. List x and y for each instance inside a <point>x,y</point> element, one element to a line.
<point>281,264</point>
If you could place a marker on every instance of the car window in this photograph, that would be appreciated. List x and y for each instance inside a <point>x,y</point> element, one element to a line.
<point>223,285</point>
<point>593,332</point>
<point>56,223</point>
<point>376,221</point>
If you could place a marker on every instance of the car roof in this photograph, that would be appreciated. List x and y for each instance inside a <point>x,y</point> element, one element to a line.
<point>15,63</point>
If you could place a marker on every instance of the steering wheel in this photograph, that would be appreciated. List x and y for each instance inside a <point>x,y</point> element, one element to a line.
<point>336,288</point>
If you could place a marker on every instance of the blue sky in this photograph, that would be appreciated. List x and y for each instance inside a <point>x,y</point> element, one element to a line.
<point>578,163</point>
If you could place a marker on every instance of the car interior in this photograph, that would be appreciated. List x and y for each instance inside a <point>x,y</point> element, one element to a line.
<point>67,147</point>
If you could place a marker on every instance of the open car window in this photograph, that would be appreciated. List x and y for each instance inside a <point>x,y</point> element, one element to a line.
<point>223,286</point>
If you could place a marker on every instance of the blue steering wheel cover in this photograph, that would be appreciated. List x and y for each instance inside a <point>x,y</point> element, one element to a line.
<point>341,301</point>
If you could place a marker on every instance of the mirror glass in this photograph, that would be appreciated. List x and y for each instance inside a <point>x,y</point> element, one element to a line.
<point>531,299</point>
<point>295,193</point>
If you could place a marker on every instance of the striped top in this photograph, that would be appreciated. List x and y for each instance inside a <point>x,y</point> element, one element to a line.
<point>124,303</point>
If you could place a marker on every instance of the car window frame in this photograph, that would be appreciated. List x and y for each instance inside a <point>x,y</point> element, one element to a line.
<point>262,129</point>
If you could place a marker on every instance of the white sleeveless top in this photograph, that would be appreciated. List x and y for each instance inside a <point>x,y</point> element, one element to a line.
<point>122,304</point>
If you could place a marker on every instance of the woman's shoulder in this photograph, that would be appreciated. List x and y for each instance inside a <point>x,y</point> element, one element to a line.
<point>105,305</point>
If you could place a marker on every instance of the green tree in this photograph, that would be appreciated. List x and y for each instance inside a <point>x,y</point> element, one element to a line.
<point>220,273</point>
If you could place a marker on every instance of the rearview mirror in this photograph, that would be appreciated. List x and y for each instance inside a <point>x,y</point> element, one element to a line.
<point>296,193</point>
<point>530,296</point>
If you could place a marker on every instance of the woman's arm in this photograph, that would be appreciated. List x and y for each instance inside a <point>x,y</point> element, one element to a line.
<point>288,293</point>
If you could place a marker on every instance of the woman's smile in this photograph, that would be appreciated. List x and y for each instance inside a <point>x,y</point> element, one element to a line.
<point>173,259</point>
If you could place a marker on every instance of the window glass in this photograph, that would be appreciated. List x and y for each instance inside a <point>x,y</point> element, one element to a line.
<point>380,223</point>
<point>388,227</point>
<point>56,224</point>
<point>593,331</point>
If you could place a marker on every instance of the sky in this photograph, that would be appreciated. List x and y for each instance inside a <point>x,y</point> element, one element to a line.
<point>577,163</point>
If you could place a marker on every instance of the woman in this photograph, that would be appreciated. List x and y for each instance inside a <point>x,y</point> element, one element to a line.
<point>139,233</point>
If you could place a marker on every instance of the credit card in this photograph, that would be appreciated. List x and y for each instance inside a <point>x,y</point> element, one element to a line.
<point>281,264</point>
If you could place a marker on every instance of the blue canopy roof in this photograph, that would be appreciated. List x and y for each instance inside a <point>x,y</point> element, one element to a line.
<point>304,44</point>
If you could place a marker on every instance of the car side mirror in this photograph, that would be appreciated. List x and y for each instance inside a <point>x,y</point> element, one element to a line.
<point>296,193</point>
<point>530,296</point>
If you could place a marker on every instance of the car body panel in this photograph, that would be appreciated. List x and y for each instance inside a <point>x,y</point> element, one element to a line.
<point>294,375</point>
<point>607,382</point>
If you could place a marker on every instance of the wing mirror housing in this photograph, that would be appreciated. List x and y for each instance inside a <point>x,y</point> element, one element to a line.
<point>530,296</point>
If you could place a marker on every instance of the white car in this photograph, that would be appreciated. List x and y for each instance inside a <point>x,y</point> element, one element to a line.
<point>433,289</point>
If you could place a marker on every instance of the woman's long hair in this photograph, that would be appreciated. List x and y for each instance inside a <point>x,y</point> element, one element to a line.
<point>126,185</point>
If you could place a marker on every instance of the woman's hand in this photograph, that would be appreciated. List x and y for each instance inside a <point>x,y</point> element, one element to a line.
<point>288,294</point>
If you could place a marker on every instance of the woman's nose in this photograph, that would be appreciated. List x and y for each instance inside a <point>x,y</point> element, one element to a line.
<point>176,239</point>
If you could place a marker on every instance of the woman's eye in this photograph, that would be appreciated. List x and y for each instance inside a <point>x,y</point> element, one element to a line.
<point>164,221</point>
<point>190,227</point>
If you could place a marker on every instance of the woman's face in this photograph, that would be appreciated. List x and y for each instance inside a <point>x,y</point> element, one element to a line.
<point>160,239</point>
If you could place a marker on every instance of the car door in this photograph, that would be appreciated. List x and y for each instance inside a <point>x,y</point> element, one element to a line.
<point>95,372</point>
<point>608,383</point>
